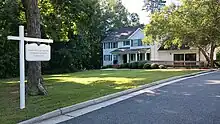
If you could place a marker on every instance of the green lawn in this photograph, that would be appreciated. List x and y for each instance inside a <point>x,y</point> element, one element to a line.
<point>68,89</point>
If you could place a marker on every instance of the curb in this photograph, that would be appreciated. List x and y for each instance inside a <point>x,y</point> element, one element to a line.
<point>62,111</point>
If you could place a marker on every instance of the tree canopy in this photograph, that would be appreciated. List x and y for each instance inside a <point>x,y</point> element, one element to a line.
<point>195,23</point>
<point>76,26</point>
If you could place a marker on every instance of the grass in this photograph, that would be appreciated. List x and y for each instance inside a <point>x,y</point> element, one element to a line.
<point>68,89</point>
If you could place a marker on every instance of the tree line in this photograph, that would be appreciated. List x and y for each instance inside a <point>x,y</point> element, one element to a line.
<point>76,26</point>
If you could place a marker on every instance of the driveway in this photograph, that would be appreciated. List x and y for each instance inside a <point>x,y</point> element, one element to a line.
<point>190,101</point>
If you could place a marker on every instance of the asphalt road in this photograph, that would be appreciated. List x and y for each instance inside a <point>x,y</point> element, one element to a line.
<point>191,101</point>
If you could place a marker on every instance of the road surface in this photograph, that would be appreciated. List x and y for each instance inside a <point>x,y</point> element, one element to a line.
<point>191,101</point>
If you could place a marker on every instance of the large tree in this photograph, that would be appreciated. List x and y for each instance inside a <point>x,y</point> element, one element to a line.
<point>35,79</point>
<point>195,23</point>
<point>76,26</point>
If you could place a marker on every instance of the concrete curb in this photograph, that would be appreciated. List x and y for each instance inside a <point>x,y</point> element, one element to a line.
<point>71,108</point>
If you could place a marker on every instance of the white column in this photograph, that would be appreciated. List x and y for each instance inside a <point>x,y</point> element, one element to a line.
<point>145,56</point>
<point>136,57</point>
<point>112,59</point>
<point>128,58</point>
<point>22,71</point>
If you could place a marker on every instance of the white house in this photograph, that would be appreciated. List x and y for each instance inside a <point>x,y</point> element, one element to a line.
<point>125,46</point>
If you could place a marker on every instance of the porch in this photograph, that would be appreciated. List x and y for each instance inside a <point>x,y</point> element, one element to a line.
<point>181,58</point>
<point>127,55</point>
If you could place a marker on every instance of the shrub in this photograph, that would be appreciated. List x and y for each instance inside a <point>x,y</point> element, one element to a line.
<point>147,66</point>
<point>107,66</point>
<point>141,65</point>
<point>134,65</point>
<point>116,66</point>
<point>129,65</point>
<point>126,65</point>
<point>122,66</point>
<point>162,67</point>
<point>154,66</point>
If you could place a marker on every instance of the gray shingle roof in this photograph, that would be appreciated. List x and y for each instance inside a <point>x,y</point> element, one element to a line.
<point>120,34</point>
<point>128,50</point>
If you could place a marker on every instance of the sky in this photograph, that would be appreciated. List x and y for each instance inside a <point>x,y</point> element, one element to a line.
<point>135,6</point>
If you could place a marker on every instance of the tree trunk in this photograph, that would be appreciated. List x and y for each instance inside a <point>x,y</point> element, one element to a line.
<point>35,81</point>
<point>212,55</point>
<point>205,54</point>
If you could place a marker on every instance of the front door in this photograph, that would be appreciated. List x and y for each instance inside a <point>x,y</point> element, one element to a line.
<point>125,58</point>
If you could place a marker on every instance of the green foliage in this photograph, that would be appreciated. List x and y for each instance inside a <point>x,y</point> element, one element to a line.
<point>218,56</point>
<point>134,65</point>
<point>154,5</point>
<point>125,65</point>
<point>141,65</point>
<point>76,26</point>
<point>9,21</point>
<point>135,20</point>
<point>147,66</point>
<point>107,66</point>
<point>195,23</point>
<point>154,66</point>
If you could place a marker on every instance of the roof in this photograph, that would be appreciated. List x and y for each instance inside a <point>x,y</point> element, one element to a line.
<point>174,47</point>
<point>120,34</point>
<point>128,50</point>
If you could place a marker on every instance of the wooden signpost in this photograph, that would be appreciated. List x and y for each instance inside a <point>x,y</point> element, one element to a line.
<point>34,52</point>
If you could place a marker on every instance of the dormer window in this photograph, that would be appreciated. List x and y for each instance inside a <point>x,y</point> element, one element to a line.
<point>126,43</point>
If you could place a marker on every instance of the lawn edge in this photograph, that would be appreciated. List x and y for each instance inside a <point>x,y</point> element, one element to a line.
<point>62,111</point>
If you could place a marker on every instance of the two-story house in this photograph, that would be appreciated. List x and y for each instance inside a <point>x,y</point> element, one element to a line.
<point>125,46</point>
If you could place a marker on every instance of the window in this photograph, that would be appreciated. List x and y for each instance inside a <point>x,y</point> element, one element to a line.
<point>137,42</point>
<point>178,57</point>
<point>140,42</point>
<point>110,45</point>
<point>190,57</point>
<point>125,43</point>
<point>107,57</point>
<point>107,45</point>
<point>115,45</point>
<point>132,57</point>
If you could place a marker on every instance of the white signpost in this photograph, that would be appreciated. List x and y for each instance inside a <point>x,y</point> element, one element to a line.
<point>33,53</point>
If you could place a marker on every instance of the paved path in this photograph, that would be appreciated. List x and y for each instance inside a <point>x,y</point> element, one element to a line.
<point>191,101</point>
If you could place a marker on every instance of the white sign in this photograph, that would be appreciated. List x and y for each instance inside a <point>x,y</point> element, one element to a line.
<point>36,52</point>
